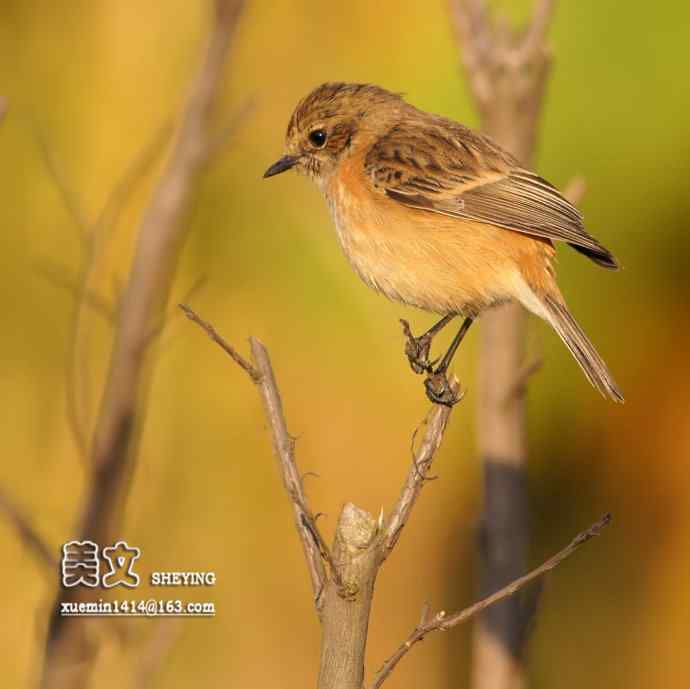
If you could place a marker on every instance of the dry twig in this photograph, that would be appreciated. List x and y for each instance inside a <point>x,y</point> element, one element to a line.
<point>442,621</point>
<point>222,343</point>
<point>94,238</point>
<point>261,373</point>
<point>26,531</point>
<point>507,70</point>
<point>422,459</point>
<point>69,650</point>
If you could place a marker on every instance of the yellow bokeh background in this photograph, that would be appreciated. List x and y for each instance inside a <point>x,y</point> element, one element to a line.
<point>89,85</point>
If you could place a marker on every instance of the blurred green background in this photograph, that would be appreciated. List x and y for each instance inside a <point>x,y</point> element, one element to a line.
<point>94,81</point>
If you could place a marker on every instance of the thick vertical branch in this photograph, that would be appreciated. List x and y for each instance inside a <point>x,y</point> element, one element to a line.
<point>345,619</point>
<point>70,652</point>
<point>507,71</point>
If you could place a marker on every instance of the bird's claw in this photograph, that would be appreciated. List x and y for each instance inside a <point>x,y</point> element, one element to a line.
<point>417,350</point>
<point>439,390</point>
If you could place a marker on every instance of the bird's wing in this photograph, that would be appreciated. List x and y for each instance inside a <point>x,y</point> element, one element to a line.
<point>443,167</point>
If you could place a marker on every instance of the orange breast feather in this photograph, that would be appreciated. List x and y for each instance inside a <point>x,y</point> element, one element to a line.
<point>424,259</point>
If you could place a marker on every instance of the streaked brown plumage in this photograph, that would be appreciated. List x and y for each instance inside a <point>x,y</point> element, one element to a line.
<point>435,215</point>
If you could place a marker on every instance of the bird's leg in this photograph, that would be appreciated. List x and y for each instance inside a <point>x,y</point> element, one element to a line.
<point>417,348</point>
<point>437,386</point>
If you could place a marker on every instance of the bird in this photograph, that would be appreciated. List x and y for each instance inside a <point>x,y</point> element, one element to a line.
<point>437,216</point>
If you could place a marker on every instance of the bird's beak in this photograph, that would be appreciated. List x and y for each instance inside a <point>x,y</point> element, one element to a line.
<point>285,163</point>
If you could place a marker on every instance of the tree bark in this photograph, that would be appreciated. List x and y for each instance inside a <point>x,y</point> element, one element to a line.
<point>508,72</point>
<point>345,614</point>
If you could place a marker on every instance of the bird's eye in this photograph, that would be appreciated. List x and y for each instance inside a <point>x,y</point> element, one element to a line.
<point>318,137</point>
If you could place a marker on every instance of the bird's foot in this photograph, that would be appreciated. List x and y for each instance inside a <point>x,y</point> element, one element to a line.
<point>417,350</point>
<point>439,390</point>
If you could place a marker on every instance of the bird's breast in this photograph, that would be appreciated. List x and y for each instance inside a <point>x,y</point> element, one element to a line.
<point>411,256</point>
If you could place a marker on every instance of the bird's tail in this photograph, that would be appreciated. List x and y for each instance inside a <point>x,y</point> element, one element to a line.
<point>581,348</point>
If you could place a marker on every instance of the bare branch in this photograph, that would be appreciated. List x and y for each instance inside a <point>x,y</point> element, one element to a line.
<point>261,373</point>
<point>69,650</point>
<point>425,616</point>
<point>308,521</point>
<point>237,121</point>
<point>518,388</point>
<point>221,342</point>
<point>121,193</point>
<point>69,198</point>
<point>346,609</point>
<point>59,276</point>
<point>362,543</point>
<point>284,446</point>
<point>97,240</point>
<point>158,241</point>
<point>442,621</point>
<point>94,239</point>
<point>435,424</point>
<point>26,531</point>
<point>535,36</point>
<point>507,70</point>
<point>21,523</point>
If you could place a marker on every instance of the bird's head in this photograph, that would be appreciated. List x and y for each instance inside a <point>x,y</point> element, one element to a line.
<point>330,122</point>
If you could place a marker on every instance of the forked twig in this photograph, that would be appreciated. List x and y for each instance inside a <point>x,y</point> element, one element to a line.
<point>221,342</point>
<point>507,70</point>
<point>442,621</point>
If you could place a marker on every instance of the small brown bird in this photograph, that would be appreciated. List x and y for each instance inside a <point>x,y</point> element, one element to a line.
<point>435,215</point>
